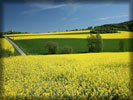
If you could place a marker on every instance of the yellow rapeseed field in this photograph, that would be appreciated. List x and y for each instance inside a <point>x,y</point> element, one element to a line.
<point>91,76</point>
<point>120,35</point>
<point>6,47</point>
<point>51,33</point>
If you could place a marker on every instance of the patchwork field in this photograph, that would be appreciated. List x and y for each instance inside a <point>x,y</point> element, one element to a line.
<point>86,76</point>
<point>34,44</point>
<point>75,34</point>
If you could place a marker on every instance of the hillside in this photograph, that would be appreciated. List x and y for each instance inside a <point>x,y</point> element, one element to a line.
<point>113,28</point>
<point>124,26</point>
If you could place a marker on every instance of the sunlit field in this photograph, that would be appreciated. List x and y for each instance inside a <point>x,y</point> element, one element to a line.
<point>66,50</point>
<point>5,44</point>
<point>6,48</point>
<point>35,43</point>
<point>51,33</point>
<point>89,76</point>
<point>86,76</point>
<point>82,35</point>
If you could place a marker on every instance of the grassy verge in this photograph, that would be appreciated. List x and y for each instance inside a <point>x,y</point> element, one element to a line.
<point>16,53</point>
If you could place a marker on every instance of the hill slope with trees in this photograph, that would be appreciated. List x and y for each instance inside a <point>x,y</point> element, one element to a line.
<point>113,28</point>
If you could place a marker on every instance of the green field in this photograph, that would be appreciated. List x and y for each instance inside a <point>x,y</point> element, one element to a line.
<point>37,46</point>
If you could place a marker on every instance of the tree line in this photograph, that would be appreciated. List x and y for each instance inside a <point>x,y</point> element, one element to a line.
<point>94,44</point>
<point>113,28</point>
<point>109,28</point>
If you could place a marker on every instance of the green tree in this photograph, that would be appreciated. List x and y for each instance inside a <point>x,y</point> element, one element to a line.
<point>99,43</point>
<point>95,43</point>
<point>90,28</point>
<point>91,43</point>
<point>52,47</point>
<point>67,50</point>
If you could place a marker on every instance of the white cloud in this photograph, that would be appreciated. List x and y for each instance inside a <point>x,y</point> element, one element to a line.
<point>47,6</point>
<point>74,8</point>
<point>113,17</point>
<point>40,7</point>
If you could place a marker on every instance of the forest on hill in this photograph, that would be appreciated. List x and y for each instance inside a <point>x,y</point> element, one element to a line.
<point>110,28</point>
<point>113,28</point>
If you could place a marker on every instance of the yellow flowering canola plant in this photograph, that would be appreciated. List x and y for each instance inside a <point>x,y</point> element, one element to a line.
<point>120,35</point>
<point>6,47</point>
<point>51,33</point>
<point>91,76</point>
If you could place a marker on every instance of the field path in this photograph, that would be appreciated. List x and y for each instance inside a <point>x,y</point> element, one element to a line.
<point>19,50</point>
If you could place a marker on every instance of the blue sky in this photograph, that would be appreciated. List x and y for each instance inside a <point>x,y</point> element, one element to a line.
<point>50,17</point>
